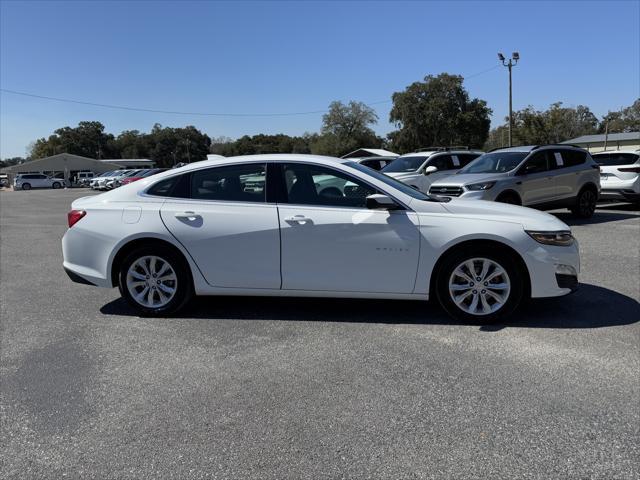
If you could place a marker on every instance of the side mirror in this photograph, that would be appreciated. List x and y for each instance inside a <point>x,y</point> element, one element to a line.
<point>430,169</point>
<point>381,202</point>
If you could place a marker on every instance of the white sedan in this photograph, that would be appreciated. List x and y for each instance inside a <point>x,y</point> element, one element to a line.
<point>275,225</point>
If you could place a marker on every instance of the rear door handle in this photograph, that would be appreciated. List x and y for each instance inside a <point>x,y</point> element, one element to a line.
<point>299,219</point>
<point>188,215</point>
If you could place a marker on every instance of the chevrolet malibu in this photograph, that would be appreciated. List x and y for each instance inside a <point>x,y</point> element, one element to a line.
<point>275,225</point>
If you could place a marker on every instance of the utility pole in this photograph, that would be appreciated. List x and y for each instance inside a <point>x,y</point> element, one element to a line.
<point>513,61</point>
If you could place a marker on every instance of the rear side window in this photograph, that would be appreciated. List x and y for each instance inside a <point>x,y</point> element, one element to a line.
<point>612,159</point>
<point>567,158</point>
<point>235,183</point>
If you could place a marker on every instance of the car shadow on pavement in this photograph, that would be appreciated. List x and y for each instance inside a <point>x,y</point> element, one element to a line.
<point>603,214</point>
<point>589,307</point>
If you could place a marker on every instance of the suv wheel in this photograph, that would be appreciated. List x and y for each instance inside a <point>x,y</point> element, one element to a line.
<point>155,281</point>
<point>479,285</point>
<point>26,186</point>
<point>585,205</point>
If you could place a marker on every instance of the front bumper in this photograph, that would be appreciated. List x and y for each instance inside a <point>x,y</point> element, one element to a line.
<point>548,265</point>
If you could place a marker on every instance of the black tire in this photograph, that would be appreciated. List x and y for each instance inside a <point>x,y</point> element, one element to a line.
<point>26,186</point>
<point>184,287</point>
<point>504,259</point>
<point>586,203</point>
<point>510,198</point>
<point>55,185</point>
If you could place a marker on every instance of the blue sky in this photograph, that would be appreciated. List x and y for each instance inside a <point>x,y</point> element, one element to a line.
<point>268,57</point>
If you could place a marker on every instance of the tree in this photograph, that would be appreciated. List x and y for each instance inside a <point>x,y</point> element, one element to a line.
<point>346,128</point>
<point>554,125</point>
<point>8,162</point>
<point>623,120</point>
<point>438,112</point>
<point>261,143</point>
<point>169,146</point>
<point>87,139</point>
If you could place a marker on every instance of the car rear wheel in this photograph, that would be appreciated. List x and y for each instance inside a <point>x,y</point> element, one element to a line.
<point>155,281</point>
<point>479,285</point>
<point>26,186</point>
<point>585,205</point>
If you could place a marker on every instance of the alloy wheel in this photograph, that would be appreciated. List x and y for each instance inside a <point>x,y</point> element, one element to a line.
<point>479,286</point>
<point>151,281</point>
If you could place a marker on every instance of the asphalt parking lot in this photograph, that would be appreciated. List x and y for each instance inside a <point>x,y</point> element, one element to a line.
<point>301,388</point>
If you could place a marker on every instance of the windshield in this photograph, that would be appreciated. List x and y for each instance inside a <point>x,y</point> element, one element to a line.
<point>496,162</point>
<point>392,182</point>
<point>405,164</point>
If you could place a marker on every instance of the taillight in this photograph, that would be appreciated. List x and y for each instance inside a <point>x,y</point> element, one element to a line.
<point>630,169</point>
<point>74,216</point>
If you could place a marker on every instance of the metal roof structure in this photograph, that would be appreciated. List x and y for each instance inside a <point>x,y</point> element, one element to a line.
<point>612,137</point>
<point>370,152</point>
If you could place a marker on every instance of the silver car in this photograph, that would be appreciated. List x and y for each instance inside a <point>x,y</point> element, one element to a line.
<point>547,176</point>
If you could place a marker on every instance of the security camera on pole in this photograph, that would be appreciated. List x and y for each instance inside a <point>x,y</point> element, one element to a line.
<point>513,61</point>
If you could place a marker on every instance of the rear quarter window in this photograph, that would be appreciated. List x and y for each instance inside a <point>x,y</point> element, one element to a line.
<point>173,187</point>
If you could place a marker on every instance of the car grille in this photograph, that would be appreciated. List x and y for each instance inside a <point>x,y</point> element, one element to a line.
<point>444,190</point>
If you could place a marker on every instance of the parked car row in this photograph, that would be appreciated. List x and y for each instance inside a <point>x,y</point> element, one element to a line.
<point>542,176</point>
<point>117,178</point>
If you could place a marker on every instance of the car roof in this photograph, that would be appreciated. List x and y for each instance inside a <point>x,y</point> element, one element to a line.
<point>268,157</point>
<point>428,153</point>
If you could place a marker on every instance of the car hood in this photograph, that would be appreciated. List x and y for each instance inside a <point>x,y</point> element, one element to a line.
<point>461,179</point>
<point>529,218</point>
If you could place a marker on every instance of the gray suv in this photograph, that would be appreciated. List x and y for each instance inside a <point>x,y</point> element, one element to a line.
<point>544,176</point>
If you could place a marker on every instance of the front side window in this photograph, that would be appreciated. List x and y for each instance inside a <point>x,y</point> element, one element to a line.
<point>441,162</point>
<point>315,185</point>
<point>539,162</point>
<point>235,183</point>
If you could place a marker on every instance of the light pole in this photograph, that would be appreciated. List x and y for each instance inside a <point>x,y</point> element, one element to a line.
<point>513,61</point>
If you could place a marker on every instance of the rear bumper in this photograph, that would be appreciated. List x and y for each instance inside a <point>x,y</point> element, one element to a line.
<point>619,194</point>
<point>77,278</point>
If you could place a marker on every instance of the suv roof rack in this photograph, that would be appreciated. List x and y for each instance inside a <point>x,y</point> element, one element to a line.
<point>443,149</point>
<point>557,145</point>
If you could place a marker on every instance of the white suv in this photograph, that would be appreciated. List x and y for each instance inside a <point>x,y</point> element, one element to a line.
<point>619,174</point>
<point>27,181</point>
<point>420,169</point>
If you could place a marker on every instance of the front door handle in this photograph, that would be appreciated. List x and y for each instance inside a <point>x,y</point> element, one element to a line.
<point>188,215</point>
<point>299,219</point>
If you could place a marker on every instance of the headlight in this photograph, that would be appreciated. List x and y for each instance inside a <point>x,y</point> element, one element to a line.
<point>480,186</point>
<point>561,239</point>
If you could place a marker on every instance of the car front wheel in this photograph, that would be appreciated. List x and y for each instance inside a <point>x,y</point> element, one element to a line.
<point>479,285</point>
<point>55,185</point>
<point>26,186</point>
<point>155,281</point>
